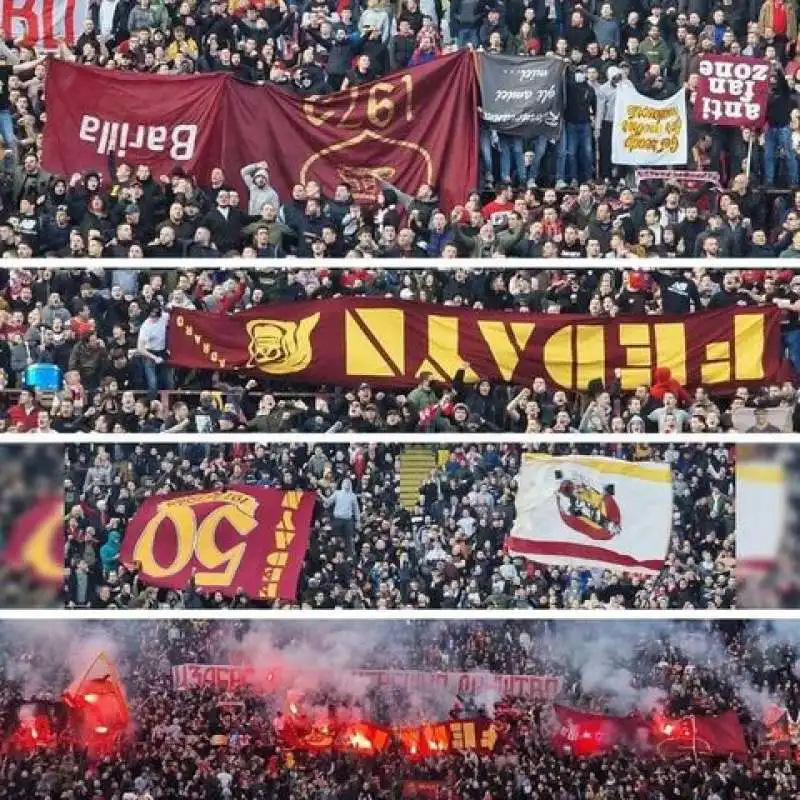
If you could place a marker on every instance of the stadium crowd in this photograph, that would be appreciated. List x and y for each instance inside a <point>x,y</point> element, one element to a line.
<point>104,331</point>
<point>368,551</point>
<point>171,751</point>
<point>315,47</point>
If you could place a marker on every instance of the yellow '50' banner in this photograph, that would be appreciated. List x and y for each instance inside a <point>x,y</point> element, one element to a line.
<point>245,537</point>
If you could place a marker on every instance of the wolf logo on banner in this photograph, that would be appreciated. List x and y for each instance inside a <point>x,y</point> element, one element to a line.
<point>593,512</point>
<point>586,508</point>
<point>649,132</point>
<point>279,347</point>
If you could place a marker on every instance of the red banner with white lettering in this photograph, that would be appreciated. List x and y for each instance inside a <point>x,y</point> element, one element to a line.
<point>391,343</point>
<point>44,22</point>
<point>268,676</point>
<point>243,537</point>
<point>732,91</point>
<point>400,129</point>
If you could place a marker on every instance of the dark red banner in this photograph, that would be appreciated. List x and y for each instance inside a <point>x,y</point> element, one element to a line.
<point>36,542</point>
<point>586,733</point>
<point>732,91</point>
<point>356,737</point>
<point>399,129</point>
<point>438,738</point>
<point>391,343</point>
<point>701,735</point>
<point>244,537</point>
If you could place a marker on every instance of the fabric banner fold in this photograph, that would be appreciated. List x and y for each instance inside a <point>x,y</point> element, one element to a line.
<point>399,129</point>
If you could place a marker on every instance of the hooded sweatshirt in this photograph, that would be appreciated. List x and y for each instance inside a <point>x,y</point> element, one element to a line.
<point>345,503</point>
<point>259,195</point>
<point>664,382</point>
<point>109,552</point>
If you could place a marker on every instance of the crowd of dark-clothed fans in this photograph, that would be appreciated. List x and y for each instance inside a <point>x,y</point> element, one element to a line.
<point>706,668</point>
<point>105,332</point>
<point>372,549</point>
<point>316,47</point>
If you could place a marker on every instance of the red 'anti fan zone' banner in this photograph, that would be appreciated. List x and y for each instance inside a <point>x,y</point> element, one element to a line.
<point>390,343</point>
<point>243,537</point>
<point>732,91</point>
<point>400,129</point>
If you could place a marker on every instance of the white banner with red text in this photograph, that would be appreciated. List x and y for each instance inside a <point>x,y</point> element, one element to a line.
<point>228,677</point>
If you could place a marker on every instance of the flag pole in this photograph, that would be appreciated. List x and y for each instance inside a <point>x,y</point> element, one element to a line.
<point>694,735</point>
<point>749,156</point>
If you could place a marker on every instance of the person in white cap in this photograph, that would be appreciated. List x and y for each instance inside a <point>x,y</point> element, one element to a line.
<point>256,179</point>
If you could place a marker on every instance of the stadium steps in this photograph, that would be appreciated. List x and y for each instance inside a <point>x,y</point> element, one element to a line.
<point>416,462</point>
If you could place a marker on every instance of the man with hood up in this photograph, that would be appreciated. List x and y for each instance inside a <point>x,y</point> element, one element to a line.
<point>256,178</point>
<point>346,513</point>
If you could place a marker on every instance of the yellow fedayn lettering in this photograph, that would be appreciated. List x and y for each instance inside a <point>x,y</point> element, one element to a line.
<point>634,338</point>
<point>559,357</point>
<point>717,366</point>
<point>291,500</point>
<point>278,559</point>
<point>671,348</point>
<point>489,738</point>
<point>387,327</point>
<point>288,520</point>
<point>581,346</point>
<point>590,341</point>
<point>283,538</point>
<point>443,359</point>
<point>749,347</point>
<point>506,353</point>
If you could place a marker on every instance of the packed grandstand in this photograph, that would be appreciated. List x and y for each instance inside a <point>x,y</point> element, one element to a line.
<point>378,711</point>
<point>130,174</point>
<point>387,526</point>
<point>115,350</point>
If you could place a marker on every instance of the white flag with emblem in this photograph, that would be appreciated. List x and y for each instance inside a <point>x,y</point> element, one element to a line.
<point>592,511</point>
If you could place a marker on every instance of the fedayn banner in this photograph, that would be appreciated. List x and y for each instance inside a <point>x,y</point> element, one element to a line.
<point>391,343</point>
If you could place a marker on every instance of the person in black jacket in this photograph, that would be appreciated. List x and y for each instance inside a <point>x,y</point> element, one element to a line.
<point>779,134</point>
<point>575,155</point>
